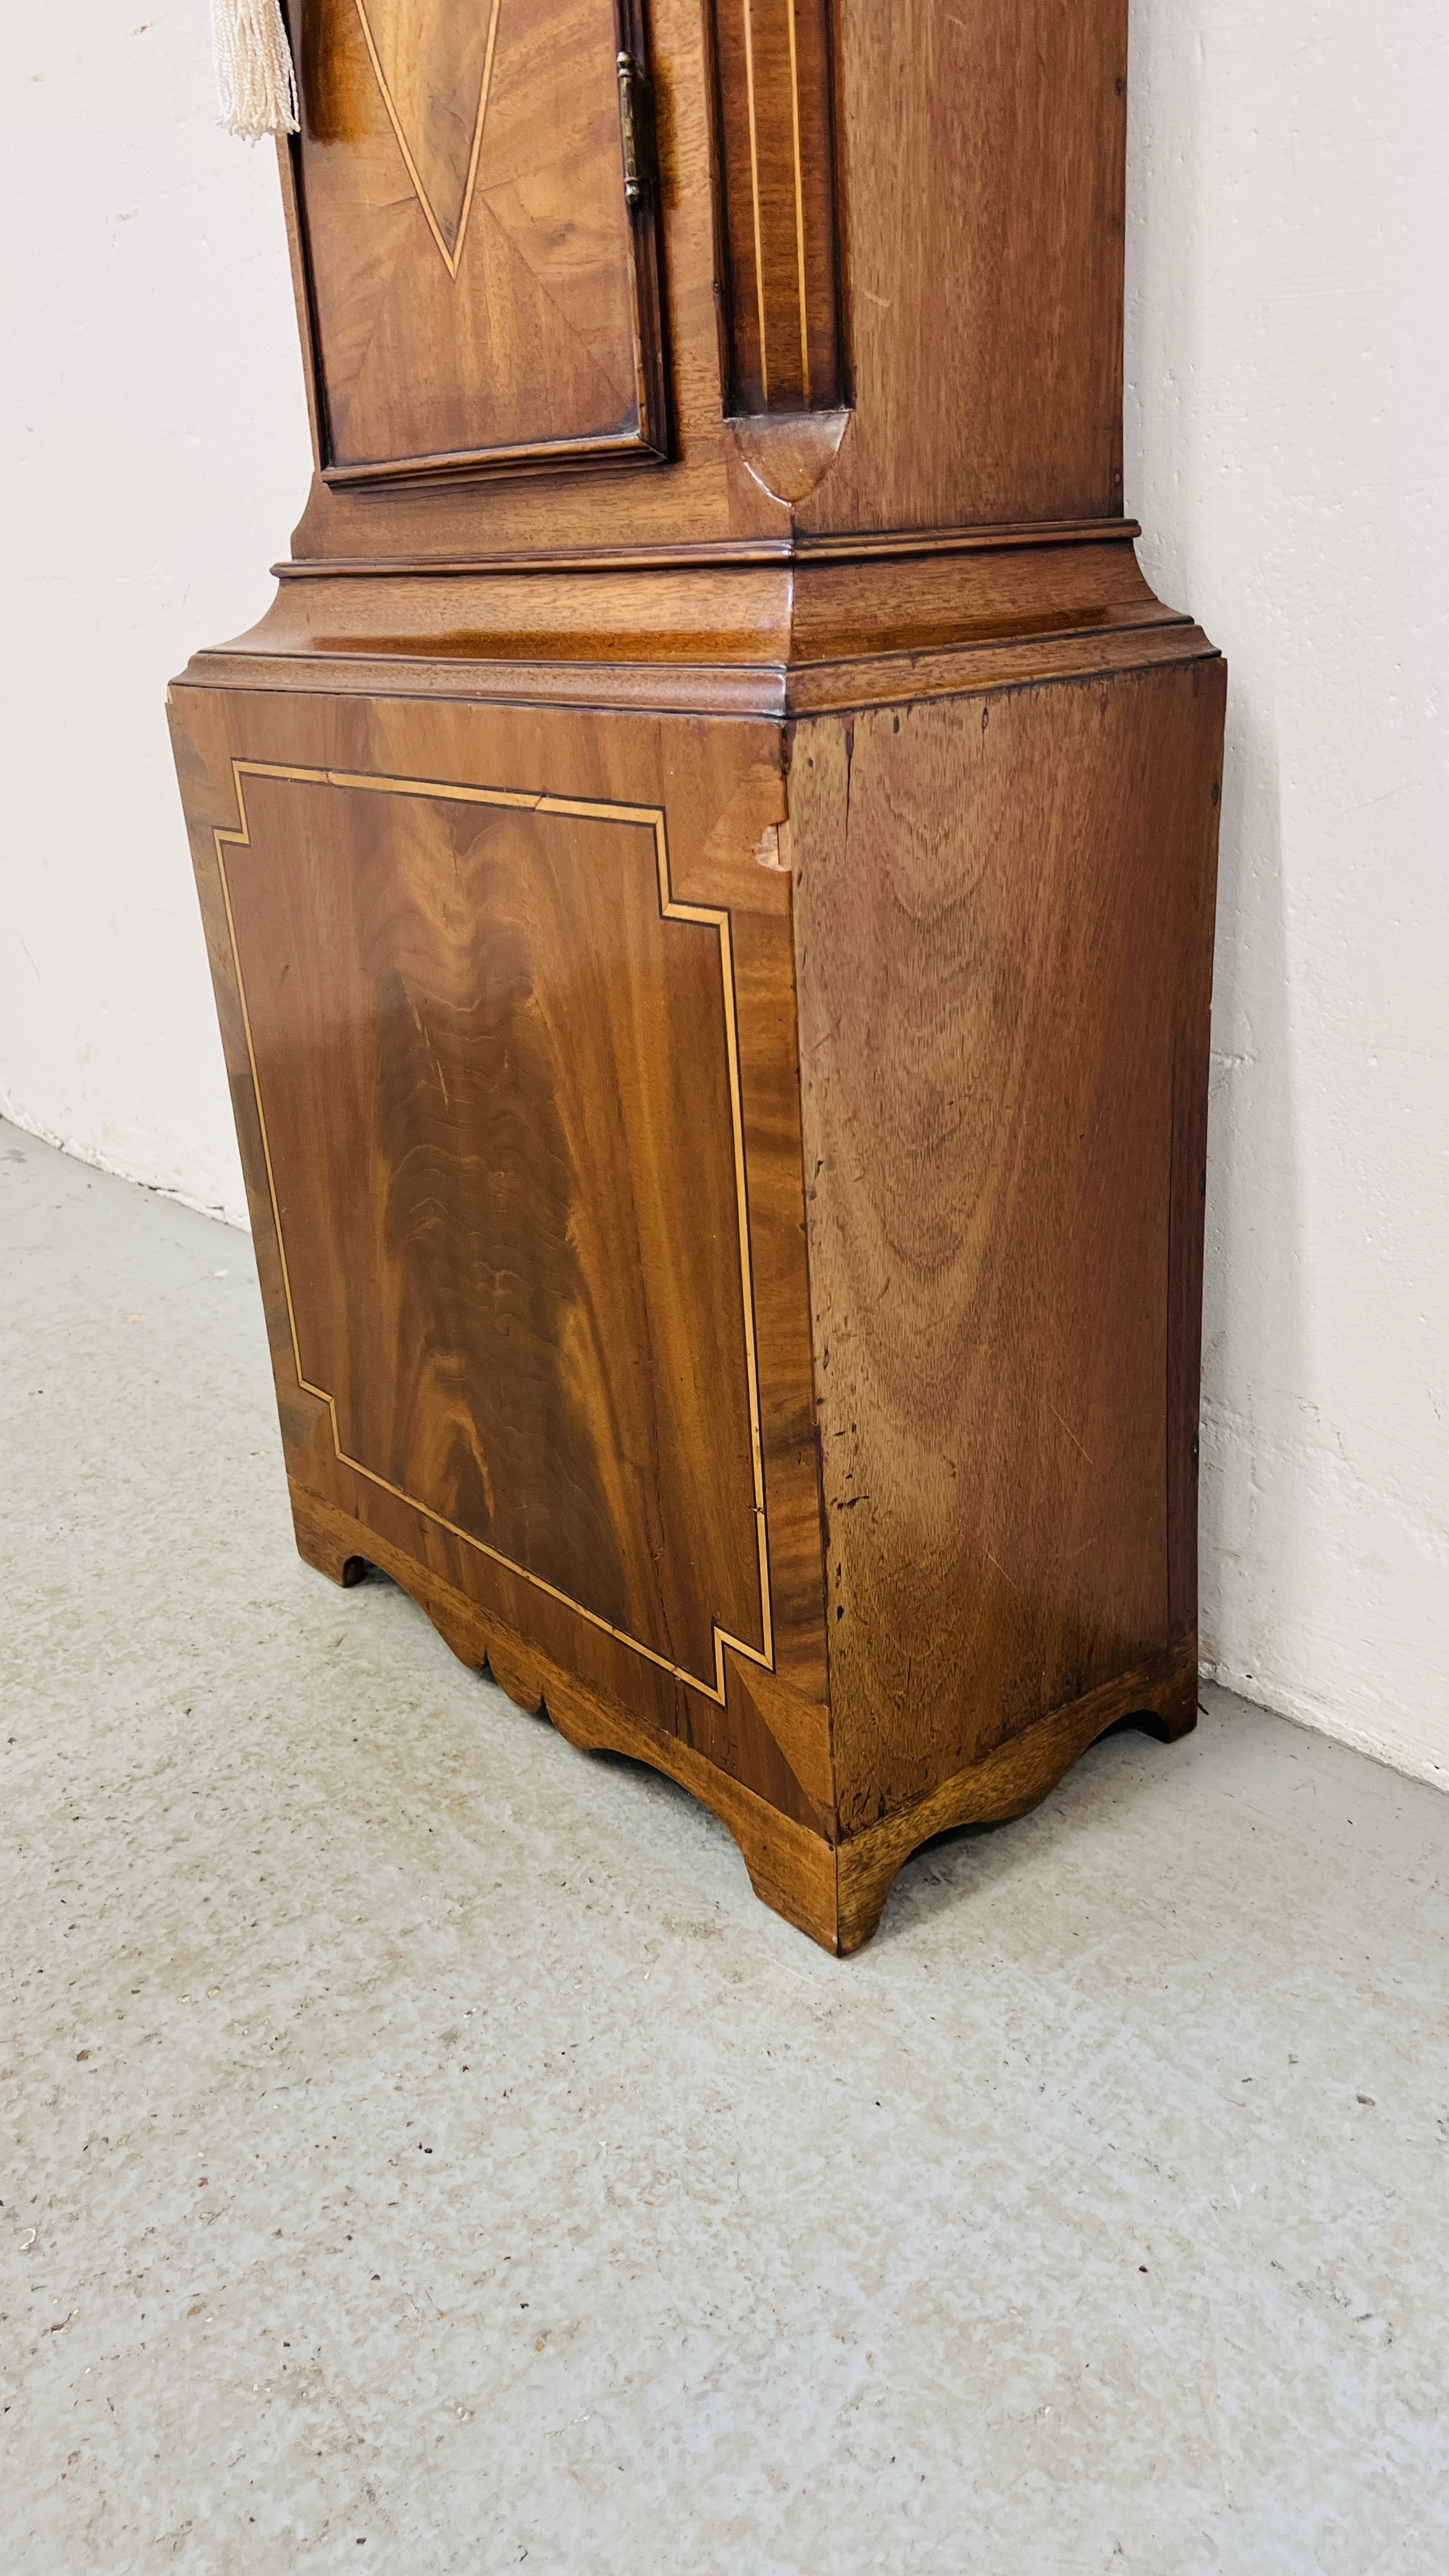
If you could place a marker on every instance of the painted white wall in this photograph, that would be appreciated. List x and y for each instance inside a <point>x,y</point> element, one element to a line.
<point>154,458</point>
<point>1287,386</point>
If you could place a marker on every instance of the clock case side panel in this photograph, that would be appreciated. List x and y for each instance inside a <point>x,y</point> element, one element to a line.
<point>982,228</point>
<point>1004,921</point>
<point>760,1757</point>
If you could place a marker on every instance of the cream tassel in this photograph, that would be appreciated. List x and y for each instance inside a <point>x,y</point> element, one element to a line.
<point>255,82</point>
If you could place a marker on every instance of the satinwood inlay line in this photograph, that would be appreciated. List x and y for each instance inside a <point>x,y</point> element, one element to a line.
<point>799,202</point>
<point>774,86</point>
<point>755,195</point>
<point>652,819</point>
<point>452,257</point>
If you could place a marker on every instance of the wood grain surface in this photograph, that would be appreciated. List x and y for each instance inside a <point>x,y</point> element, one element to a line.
<point>736,638</point>
<point>984,155</point>
<point>1003,918</point>
<point>781,288</point>
<point>978,157</point>
<point>495,1075</point>
<point>503,1267</point>
<point>708,870</point>
<point>1002,909</point>
<point>474,278</point>
<point>835,1892</point>
<point>1160,1697</point>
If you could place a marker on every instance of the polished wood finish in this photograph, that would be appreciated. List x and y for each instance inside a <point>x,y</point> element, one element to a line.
<point>1009,1781</point>
<point>784,343</point>
<point>979,167</point>
<point>478,292</point>
<point>460,1006</point>
<point>708,870</point>
<point>989,1074</point>
<point>833,1890</point>
<point>983,190</point>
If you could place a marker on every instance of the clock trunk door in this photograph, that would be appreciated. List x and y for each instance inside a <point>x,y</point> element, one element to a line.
<point>483,295</point>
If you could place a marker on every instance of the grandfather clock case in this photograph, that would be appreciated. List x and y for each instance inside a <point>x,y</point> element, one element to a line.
<point>708,865</point>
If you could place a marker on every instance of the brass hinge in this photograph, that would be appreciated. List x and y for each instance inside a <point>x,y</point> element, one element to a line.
<point>636,128</point>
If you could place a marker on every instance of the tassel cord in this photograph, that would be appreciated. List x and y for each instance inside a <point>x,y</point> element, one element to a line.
<point>256,85</point>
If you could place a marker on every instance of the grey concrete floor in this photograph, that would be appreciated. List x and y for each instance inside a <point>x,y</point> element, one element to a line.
<point>420,2152</point>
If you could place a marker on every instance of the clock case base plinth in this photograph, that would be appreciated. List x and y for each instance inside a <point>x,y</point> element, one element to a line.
<point>833,1891</point>
<point>725,1144</point>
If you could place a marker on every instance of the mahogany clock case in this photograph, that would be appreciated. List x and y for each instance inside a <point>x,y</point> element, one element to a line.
<point>711,907</point>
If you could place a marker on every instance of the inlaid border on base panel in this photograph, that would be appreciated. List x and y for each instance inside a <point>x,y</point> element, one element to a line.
<point>711,916</point>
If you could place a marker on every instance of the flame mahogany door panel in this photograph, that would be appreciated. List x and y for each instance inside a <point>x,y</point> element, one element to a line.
<point>481,292</point>
<point>493,1061</point>
<point>507,997</point>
